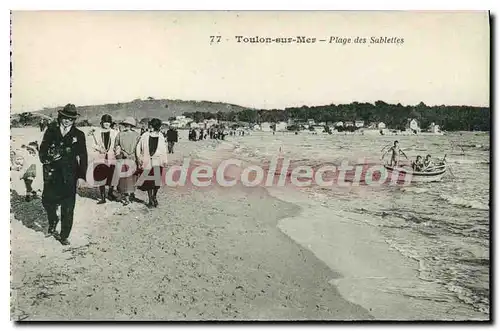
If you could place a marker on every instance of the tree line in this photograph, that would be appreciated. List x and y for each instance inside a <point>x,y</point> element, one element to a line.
<point>395,116</point>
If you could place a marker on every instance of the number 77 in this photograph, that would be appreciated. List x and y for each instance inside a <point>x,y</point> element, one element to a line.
<point>215,39</point>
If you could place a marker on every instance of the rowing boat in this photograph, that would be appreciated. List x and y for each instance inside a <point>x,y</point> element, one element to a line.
<point>434,174</point>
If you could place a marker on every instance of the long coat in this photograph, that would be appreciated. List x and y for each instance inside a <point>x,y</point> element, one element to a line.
<point>159,158</point>
<point>64,160</point>
<point>104,153</point>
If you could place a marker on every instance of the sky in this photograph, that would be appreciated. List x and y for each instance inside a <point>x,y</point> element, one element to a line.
<point>86,58</point>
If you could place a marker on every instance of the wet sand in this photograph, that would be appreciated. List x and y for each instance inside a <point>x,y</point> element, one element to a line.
<point>373,274</point>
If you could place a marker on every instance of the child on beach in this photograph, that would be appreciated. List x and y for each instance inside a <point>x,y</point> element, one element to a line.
<point>24,165</point>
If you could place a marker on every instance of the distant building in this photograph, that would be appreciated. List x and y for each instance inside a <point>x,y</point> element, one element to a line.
<point>381,126</point>
<point>281,126</point>
<point>182,121</point>
<point>359,124</point>
<point>310,122</point>
<point>265,126</point>
<point>434,128</point>
<point>319,128</point>
<point>412,125</point>
<point>176,123</point>
<point>211,122</point>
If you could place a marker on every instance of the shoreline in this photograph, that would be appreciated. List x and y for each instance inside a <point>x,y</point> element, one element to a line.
<point>375,275</point>
<point>429,300</point>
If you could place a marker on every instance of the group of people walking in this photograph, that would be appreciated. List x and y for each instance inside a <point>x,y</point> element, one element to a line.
<point>65,161</point>
<point>148,150</point>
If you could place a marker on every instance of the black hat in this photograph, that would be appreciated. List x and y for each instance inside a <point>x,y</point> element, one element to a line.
<point>106,118</point>
<point>69,111</point>
<point>155,123</point>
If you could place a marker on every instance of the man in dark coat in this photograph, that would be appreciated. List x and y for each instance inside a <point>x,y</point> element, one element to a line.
<point>172,138</point>
<point>63,153</point>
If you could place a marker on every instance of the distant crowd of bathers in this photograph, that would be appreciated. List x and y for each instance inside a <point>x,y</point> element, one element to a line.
<point>218,133</point>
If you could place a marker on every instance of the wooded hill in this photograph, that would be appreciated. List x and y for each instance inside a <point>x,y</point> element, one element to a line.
<point>450,118</point>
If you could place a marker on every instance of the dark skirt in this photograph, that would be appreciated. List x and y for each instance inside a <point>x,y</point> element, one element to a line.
<point>150,184</point>
<point>104,172</point>
<point>127,184</point>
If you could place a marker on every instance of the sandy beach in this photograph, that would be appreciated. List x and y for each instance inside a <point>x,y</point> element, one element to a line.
<point>236,253</point>
<point>202,255</point>
<point>356,187</point>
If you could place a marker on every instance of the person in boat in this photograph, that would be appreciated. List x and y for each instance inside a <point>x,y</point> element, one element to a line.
<point>428,163</point>
<point>395,154</point>
<point>418,165</point>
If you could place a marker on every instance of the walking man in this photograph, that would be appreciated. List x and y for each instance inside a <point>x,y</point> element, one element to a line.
<point>63,153</point>
<point>172,138</point>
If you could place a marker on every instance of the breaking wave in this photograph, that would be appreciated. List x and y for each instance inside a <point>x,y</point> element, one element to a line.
<point>464,203</point>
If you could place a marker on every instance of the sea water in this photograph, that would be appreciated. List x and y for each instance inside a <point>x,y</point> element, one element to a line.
<point>442,225</point>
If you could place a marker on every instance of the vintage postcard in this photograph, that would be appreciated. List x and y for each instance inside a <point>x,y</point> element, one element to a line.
<point>250,166</point>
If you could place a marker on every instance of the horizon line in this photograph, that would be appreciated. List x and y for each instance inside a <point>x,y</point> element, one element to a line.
<point>252,107</point>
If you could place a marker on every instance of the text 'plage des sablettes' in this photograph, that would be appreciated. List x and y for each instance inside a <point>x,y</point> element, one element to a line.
<point>313,40</point>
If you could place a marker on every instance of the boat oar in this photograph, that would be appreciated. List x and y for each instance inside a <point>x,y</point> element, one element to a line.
<point>451,173</point>
<point>444,164</point>
<point>385,147</point>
